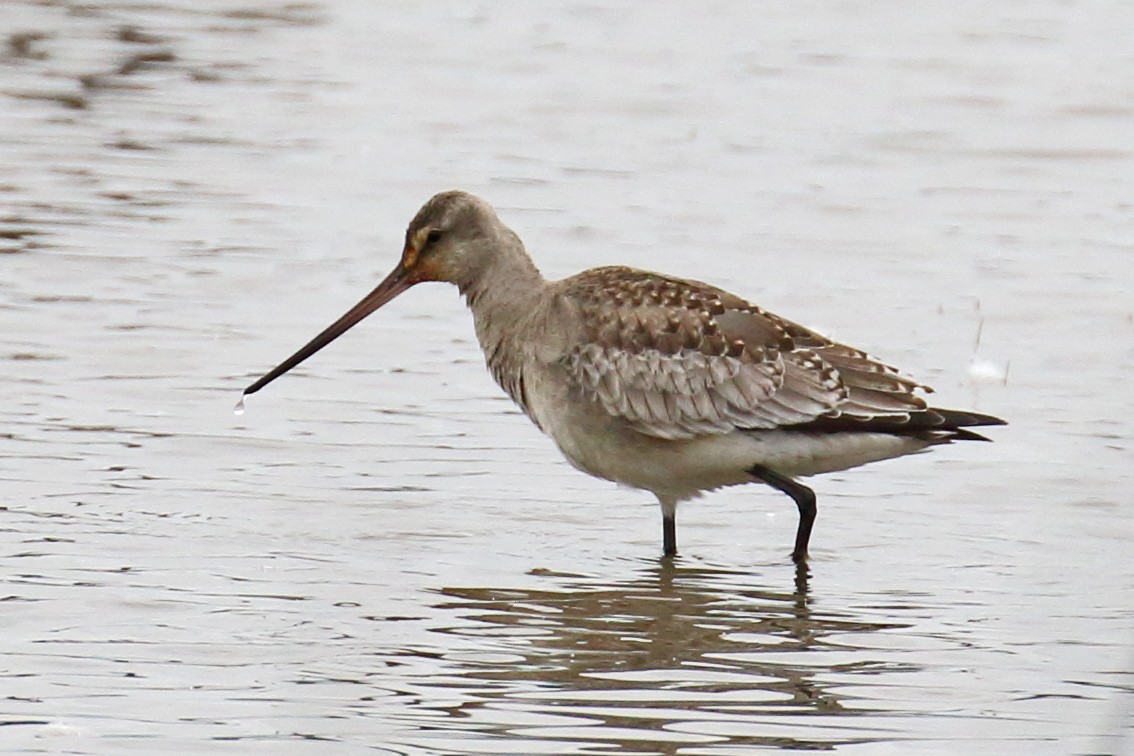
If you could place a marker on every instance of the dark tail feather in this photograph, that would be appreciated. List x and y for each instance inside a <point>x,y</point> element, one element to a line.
<point>954,419</point>
<point>960,434</point>
<point>949,423</point>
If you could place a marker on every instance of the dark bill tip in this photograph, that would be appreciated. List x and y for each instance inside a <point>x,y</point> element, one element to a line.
<point>393,285</point>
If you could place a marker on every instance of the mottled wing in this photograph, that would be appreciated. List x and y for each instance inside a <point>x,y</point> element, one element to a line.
<point>679,359</point>
<point>873,388</point>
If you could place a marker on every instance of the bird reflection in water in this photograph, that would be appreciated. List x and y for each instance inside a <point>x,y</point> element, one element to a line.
<point>674,655</point>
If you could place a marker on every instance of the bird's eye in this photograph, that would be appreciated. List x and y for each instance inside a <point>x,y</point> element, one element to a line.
<point>433,236</point>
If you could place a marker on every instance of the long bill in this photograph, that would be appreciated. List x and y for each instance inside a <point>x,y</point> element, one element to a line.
<point>393,285</point>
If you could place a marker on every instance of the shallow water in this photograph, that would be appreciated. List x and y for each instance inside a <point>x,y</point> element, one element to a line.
<point>359,564</point>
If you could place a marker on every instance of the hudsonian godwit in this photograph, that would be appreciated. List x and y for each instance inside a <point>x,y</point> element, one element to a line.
<point>663,384</point>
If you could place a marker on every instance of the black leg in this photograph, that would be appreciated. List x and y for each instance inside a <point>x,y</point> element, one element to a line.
<point>802,576</point>
<point>669,534</point>
<point>804,499</point>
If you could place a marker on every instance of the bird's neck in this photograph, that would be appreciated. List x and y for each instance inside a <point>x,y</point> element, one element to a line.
<point>503,299</point>
<point>504,290</point>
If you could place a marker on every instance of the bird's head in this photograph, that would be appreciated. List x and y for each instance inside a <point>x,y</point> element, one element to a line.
<point>452,238</point>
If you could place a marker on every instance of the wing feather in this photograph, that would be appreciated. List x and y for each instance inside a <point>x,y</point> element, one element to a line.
<point>679,359</point>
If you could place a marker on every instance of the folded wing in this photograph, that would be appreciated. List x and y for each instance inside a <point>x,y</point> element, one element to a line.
<point>679,359</point>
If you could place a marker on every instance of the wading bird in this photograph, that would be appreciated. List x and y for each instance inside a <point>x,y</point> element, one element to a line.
<point>672,386</point>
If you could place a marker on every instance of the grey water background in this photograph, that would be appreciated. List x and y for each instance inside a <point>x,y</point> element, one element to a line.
<point>382,555</point>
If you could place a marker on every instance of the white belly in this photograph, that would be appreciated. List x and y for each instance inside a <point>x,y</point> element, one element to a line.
<point>683,469</point>
<point>610,448</point>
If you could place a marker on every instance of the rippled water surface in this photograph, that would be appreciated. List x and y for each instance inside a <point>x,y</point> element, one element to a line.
<point>382,555</point>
